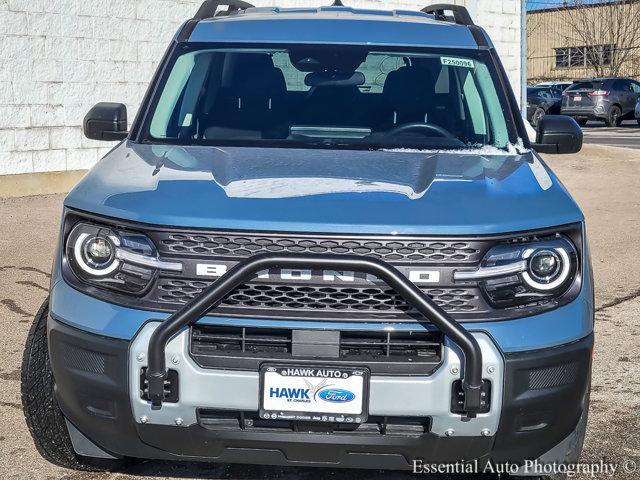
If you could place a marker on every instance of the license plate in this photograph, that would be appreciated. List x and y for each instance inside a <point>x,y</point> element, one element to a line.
<point>314,393</point>
<point>577,99</point>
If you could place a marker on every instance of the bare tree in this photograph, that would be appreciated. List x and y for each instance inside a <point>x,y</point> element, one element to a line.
<point>534,25</point>
<point>609,31</point>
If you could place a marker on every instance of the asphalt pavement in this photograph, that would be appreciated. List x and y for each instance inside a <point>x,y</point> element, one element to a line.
<point>627,135</point>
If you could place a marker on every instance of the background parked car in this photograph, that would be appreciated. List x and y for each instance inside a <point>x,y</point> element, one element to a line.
<point>638,111</point>
<point>608,99</point>
<point>558,86</point>
<point>542,100</point>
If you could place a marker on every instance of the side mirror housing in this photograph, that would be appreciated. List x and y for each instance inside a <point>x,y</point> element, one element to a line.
<point>106,121</point>
<point>558,134</point>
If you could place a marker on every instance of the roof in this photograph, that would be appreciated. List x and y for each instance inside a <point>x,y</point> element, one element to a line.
<point>337,25</point>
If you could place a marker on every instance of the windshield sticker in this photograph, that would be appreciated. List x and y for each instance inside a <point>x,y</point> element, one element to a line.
<point>457,62</point>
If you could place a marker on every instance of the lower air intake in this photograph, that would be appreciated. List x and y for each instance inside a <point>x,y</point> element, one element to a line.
<point>383,352</point>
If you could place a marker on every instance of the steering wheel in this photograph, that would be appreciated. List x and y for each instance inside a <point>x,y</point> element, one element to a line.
<point>407,127</point>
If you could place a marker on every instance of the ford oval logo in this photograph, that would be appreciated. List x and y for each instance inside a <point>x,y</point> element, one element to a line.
<point>336,395</point>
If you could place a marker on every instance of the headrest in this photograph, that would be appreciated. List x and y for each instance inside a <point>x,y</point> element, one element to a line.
<point>254,74</point>
<point>409,87</point>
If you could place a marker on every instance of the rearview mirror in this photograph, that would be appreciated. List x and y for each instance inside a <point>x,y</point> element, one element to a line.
<point>106,121</point>
<point>334,79</point>
<point>558,134</point>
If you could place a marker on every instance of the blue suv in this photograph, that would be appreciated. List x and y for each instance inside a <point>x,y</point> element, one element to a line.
<point>325,240</point>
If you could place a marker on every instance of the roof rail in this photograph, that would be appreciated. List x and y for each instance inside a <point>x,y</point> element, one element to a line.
<point>460,14</point>
<point>209,8</point>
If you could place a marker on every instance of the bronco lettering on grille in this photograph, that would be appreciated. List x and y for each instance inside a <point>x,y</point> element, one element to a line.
<point>416,276</point>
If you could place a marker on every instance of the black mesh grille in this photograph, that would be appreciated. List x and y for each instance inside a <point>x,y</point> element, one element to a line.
<point>84,360</point>
<point>553,376</point>
<point>236,245</point>
<point>319,298</point>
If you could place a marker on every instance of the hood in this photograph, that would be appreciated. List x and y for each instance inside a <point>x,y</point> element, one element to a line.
<point>316,190</point>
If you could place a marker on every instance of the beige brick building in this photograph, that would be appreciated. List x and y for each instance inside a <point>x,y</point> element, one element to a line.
<point>559,51</point>
<point>60,57</point>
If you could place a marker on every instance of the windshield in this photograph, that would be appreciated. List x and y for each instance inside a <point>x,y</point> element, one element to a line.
<point>590,85</point>
<point>541,92</point>
<point>330,96</point>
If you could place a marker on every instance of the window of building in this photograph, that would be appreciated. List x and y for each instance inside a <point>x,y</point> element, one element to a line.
<point>577,57</point>
<point>607,53</point>
<point>593,55</point>
<point>584,56</point>
<point>562,57</point>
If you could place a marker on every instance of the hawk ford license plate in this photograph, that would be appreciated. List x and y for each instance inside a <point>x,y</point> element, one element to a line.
<point>314,394</point>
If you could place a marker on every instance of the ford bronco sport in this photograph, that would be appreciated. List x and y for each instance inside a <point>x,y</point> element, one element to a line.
<point>325,240</point>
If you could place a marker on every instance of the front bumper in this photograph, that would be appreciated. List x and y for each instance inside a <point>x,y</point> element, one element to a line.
<point>389,395</point>
<point>97,389</point>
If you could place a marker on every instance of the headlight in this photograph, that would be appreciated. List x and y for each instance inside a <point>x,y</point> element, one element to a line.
<point>99,251</point>
<point>515,274</point>
<point>118,260</point>
<point>94,251</point>
<point>547,269</point>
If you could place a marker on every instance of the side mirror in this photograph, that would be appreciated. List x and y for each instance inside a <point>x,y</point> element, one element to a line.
<point>106,121</point>
<point>558,134</point>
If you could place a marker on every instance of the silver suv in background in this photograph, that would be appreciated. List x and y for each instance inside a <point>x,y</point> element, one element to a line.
<point>610,99</point>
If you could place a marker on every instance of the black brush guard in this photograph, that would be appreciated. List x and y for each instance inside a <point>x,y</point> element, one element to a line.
<point>246,271</point>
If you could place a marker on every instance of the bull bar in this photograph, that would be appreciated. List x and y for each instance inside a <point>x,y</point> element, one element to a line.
<point>246,270</point>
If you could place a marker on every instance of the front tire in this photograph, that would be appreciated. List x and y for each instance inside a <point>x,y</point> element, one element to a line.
<point>42,413</point>
<point>614,119</point>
